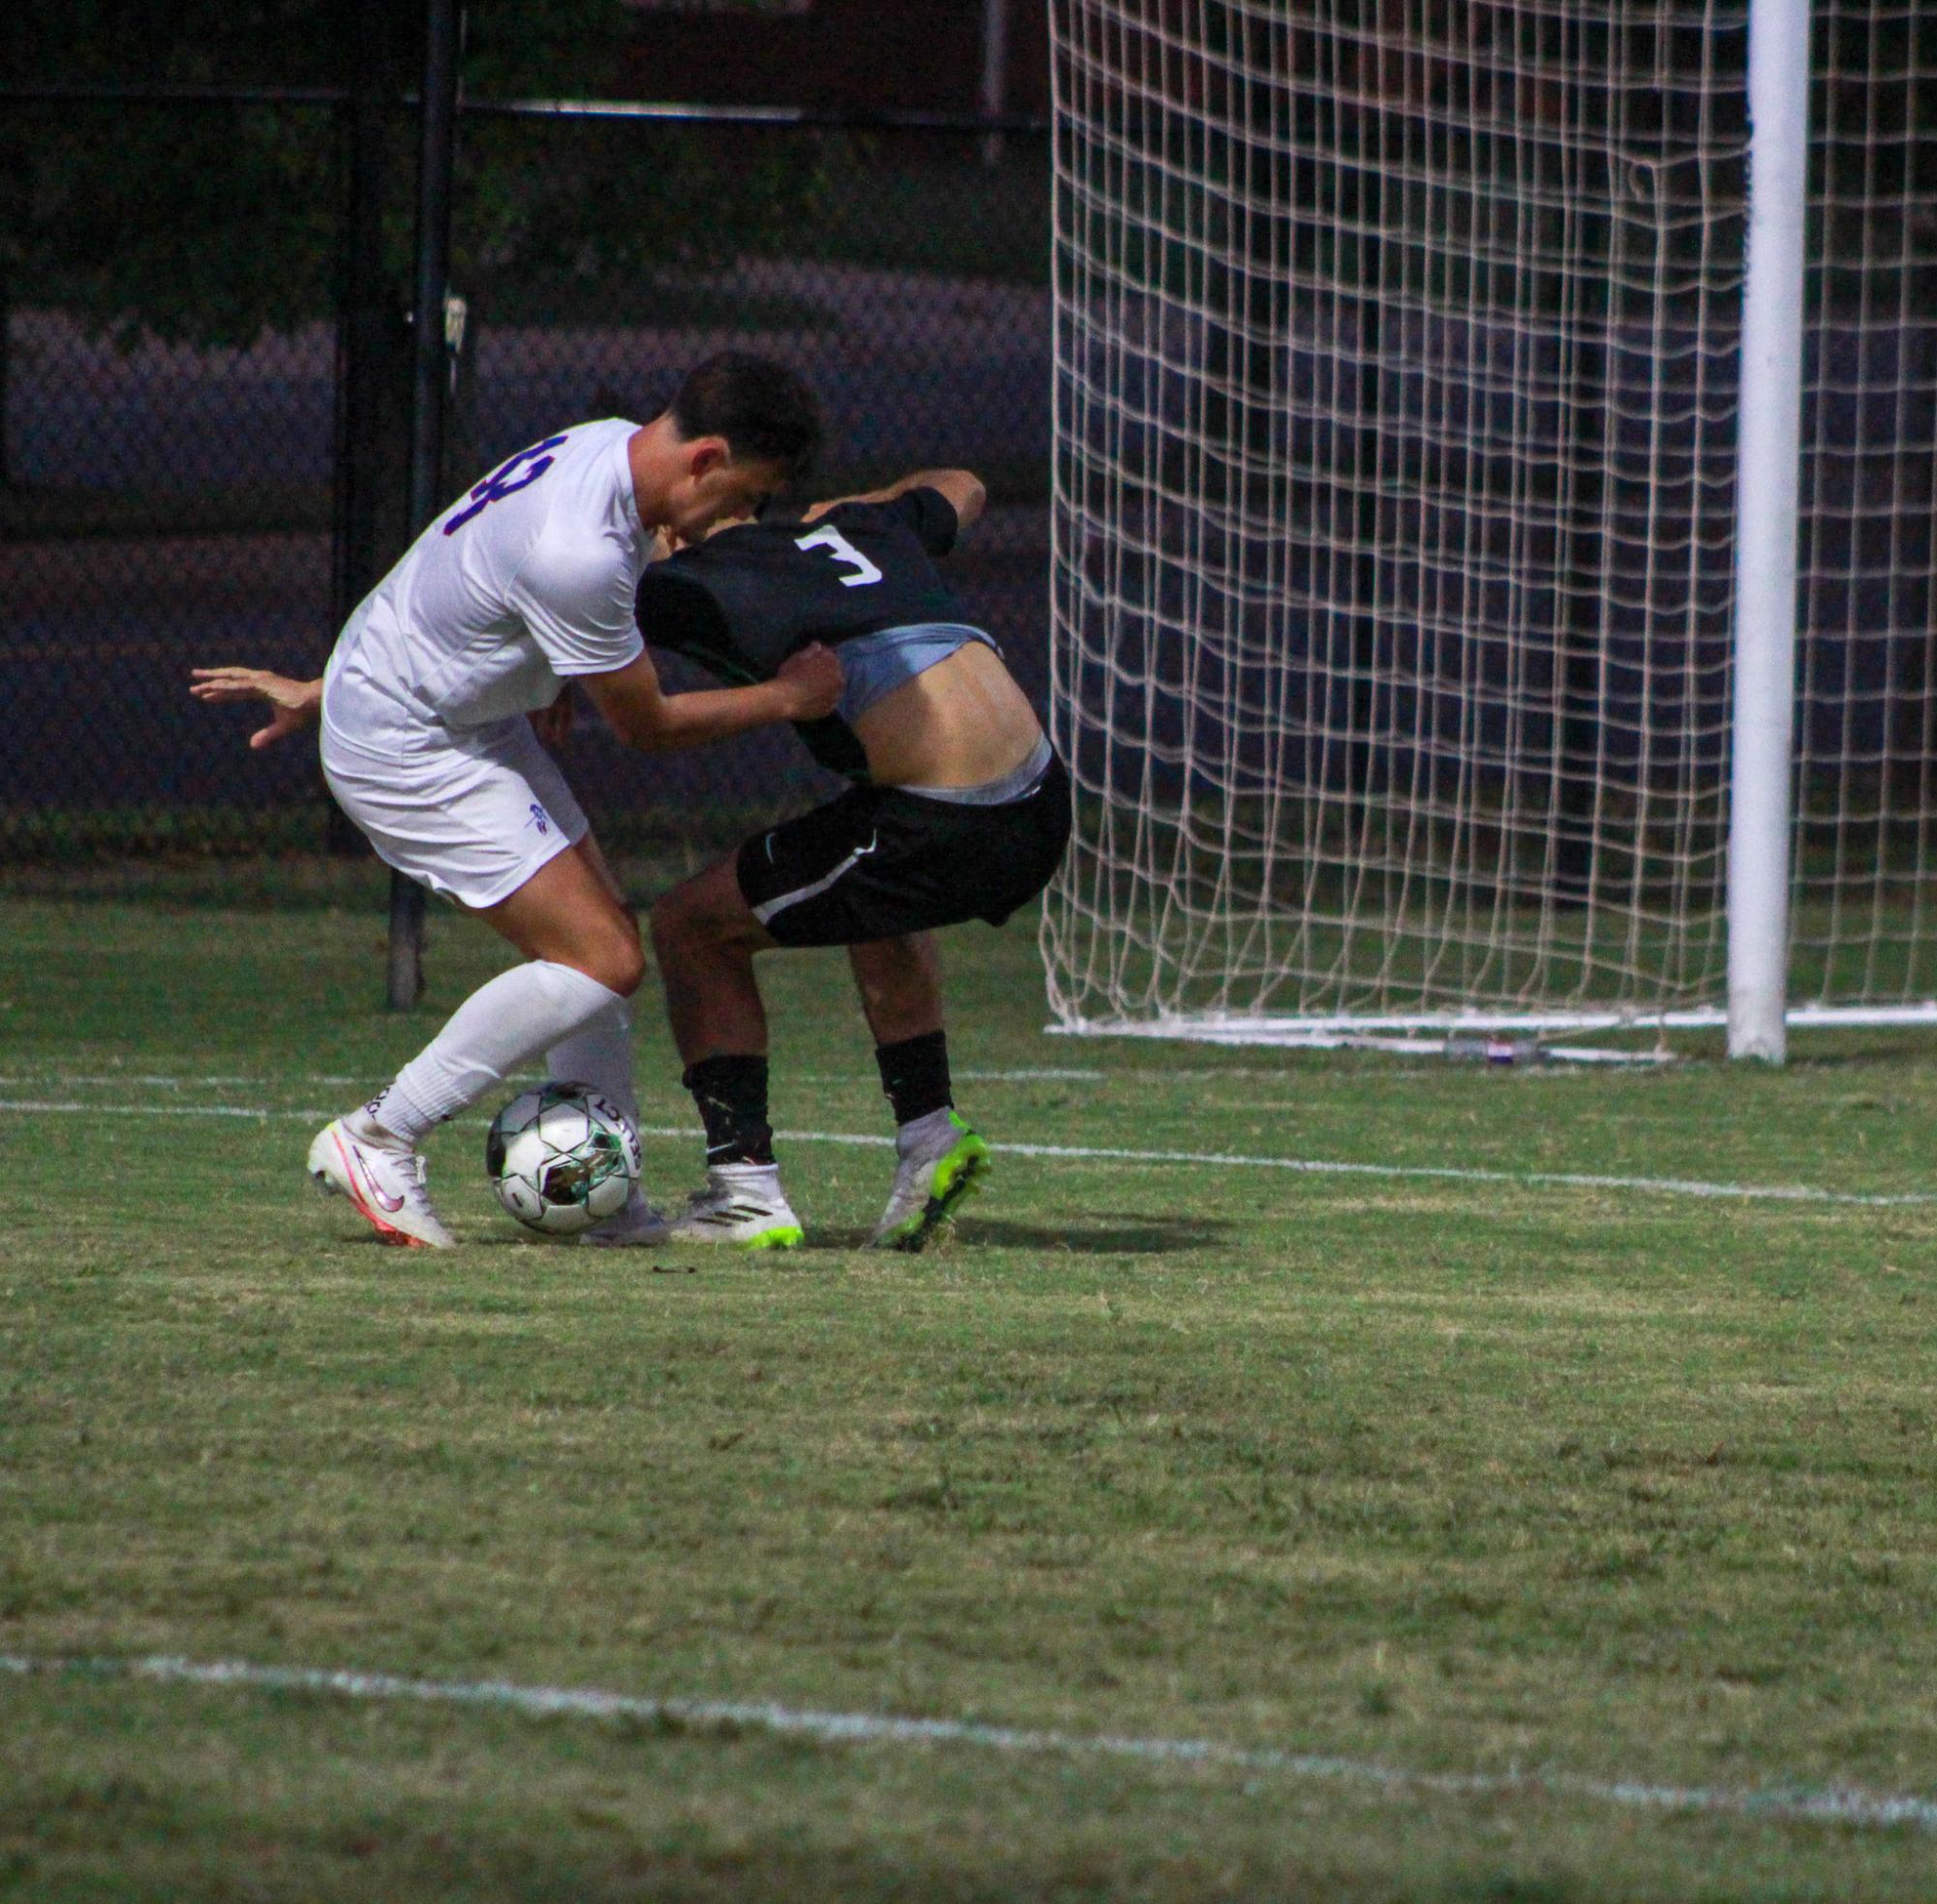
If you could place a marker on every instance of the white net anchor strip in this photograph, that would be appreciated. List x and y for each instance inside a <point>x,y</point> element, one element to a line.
<point>1397,392</point>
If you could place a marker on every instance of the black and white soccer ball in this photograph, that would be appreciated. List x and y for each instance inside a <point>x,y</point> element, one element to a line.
<point>562,1158</point>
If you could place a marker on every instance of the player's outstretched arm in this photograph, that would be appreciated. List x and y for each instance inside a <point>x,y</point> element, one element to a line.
<point>962,487</point>
<point>295,704</point>
<point>644,715</point>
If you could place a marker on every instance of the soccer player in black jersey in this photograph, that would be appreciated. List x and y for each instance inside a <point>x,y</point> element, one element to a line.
<point>959,810</point>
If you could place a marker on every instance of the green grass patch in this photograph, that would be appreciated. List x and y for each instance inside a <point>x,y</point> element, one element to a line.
<point>1443,1475</point>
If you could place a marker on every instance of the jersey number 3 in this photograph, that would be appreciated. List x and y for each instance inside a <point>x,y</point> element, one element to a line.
<point>843,551</point>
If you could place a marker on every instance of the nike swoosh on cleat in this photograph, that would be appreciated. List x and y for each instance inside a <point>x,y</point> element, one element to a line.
<point>364,1184</point>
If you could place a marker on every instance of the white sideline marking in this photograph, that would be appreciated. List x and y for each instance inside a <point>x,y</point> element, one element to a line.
<point>1446,1172</point>
<point>1027,1074</point>
<point>1104,1154</point>
<point>56,1107</point>
<point>173,1083</point>
<point>1835,1804</point>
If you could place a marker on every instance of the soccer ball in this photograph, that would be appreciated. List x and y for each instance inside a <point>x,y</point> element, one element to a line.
<point>562,1158</point>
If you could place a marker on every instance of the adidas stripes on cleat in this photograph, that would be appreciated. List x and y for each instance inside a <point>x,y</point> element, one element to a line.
<point>741,1206</point>
<point>943,1161</point>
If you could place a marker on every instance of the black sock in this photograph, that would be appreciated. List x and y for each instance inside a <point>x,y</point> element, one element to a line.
<point>731,1093</point>
<point>915,1074</point>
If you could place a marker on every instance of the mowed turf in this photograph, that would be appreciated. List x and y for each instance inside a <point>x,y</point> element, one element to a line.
<point>1424,1473</point>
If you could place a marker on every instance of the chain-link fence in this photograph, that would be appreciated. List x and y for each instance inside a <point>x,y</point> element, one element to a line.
<point>172,493</point>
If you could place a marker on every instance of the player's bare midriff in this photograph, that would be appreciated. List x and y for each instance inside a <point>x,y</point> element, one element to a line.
<point>960,724</point>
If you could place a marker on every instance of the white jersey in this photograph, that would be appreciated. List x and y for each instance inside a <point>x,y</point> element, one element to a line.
<point>519,584</point>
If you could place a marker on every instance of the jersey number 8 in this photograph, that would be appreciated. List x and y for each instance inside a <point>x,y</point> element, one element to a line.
<point>501,482</point>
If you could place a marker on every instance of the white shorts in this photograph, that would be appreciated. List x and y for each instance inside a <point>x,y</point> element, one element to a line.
<point>472,820</point>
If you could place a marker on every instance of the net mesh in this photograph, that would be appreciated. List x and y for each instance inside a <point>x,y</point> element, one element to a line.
<point>1866,725</point>
<point>1396,393</point>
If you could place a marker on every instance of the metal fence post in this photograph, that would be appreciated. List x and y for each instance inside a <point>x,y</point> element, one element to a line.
<point>428,388</point>
<point>373,349</point>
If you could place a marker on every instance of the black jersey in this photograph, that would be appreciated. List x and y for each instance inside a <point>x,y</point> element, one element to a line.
<point>742,600</point>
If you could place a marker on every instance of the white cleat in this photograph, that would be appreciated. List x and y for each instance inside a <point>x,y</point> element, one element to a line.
<point>384,1185</point>
<point>638,1223</point>
<point>743,1206</point>
<point>942,1161</point>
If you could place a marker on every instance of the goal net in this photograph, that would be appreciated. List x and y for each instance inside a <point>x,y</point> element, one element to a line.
<point>1397,405</point>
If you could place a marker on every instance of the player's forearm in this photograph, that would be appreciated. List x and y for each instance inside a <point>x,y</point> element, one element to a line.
<point>295,704</point>
<point>300,698</point>
<point>708,714</point>
<point>963,489</point>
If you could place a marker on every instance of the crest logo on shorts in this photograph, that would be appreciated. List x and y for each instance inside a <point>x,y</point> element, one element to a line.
<point>540,818</point>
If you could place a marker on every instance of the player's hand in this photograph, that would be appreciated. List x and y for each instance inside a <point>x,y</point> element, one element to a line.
<point>812,677</point>
<point>295,704</point>
<point>553,725</point>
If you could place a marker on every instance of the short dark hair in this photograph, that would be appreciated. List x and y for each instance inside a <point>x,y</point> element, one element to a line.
<point>765,412</point>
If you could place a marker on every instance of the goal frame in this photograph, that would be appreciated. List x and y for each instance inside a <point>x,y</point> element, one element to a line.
<point>1768,455</point>
<point>1761,719</point>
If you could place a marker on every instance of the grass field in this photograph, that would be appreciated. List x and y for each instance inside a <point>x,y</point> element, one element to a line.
<point>1511,1503</point>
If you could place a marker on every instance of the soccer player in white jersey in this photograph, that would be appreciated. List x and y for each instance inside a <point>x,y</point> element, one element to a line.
<point>524,584</point>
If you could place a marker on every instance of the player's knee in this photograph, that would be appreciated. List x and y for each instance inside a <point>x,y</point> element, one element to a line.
<point>628,968</point>
<point>680,928</point>
<point>668,945</point>
<point>615,959</point>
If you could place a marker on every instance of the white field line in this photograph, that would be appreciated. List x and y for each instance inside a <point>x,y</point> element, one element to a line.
<point>175,1082</point>
<point>1831,1805</point>
<point>1132,1073</point>
<point>59,1107</point>
<point>1438,1172</point>
<point>1110,1155</point>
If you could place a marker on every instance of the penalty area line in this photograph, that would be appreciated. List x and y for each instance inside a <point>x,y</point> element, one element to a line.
<point>1833,1804</point>
<point>1310,1167</point>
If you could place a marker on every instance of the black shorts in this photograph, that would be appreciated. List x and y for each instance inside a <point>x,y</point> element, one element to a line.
<point>878,863</point>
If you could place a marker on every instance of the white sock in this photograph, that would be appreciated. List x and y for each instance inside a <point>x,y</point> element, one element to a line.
<point>600,1053</point>
<point>757,1176</point>
<point>497,1028</point>
<point>921,1133</point>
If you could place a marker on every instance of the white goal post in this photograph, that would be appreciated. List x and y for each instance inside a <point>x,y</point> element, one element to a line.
<point>1494,577</point>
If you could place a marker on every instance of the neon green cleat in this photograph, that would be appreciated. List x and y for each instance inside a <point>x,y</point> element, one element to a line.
<point>744,1207</point>
<point>945,1164</point>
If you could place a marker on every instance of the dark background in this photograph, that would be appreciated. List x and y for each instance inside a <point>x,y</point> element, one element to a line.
<point>206,231</point>
<point>206,260</point>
